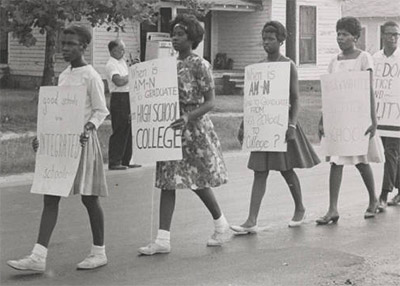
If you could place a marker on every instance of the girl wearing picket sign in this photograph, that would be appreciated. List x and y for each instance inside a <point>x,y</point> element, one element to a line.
<point>90,179</point>
<point>348,31</point>
<point>202,166</point>
<point>299,154</point>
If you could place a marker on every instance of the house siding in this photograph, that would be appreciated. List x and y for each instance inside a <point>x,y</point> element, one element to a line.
<point>241,38</point>
<point>373,31</point>
<point>130,36</point>
<point>328,12</point>
<point>29,61</point>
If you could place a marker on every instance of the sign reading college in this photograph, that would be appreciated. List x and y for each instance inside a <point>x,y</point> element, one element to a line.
<point>154,99</point>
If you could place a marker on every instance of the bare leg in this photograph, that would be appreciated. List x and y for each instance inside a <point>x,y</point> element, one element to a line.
<point>257,194</point>
<point>49,219</point>
<point>368,178</point>
<point>96,217</point>
<point>295,189</point>
<point>335,180</point>
<point>207,197</point>
<point>167,207</point>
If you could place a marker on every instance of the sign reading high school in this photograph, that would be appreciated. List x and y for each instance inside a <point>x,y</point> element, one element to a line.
<point>346,113</point>
<point>154,99</point>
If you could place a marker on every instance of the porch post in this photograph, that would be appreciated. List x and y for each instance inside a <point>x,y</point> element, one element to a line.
<point>291,27</point>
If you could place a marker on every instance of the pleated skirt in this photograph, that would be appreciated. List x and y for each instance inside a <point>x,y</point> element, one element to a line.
<point>90,178</point>
<point>299,154</point>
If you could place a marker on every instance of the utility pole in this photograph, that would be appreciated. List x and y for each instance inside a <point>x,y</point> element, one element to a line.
<point>291,28</point>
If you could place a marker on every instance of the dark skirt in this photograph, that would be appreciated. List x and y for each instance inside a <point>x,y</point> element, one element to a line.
<point>300,154</point>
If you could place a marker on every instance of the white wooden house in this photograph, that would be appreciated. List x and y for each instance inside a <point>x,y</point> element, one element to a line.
<point>232,27</point>
<point>372,15</point>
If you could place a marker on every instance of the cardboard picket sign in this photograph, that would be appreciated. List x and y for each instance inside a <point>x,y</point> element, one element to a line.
<point>60,123</point>
<point>266,106</point>
<point>346,113</point>
<point>387,96</point>
<point>154,100</point>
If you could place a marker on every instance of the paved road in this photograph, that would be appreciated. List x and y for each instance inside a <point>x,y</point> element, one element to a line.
<point>353,252</point>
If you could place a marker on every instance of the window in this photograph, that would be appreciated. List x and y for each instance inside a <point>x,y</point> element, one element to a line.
<point>361,42</point>
<point>308,35</point>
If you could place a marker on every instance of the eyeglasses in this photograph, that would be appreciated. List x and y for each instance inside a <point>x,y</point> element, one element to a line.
<point>395,35</point>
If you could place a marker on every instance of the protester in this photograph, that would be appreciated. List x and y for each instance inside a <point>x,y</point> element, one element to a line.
<point>90,179</point>
<point>299,154</point>
<point>352,59</point>
<point>391,176</point>
<point>202,166</point>
<point>120,143</point>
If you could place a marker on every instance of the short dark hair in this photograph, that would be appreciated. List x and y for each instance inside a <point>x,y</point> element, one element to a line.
<point>389,24</point>
<point>112,44</point>
<point>191,26</point>
<point>350,24</point>
<point>83,33</point>
<point>277,28</point>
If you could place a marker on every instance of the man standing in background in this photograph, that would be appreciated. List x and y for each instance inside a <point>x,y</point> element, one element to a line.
<point>120,144</point>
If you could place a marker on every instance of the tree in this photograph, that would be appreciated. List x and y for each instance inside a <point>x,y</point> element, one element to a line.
<point>199,8</point>
<point>50,16</point>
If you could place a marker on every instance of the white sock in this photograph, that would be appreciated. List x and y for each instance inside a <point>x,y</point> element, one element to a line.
<point>163,237</point>
<point>98,250</point>
<point>221,224</point>
<point>39,252</point>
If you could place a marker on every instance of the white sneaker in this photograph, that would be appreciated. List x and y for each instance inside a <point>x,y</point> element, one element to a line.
<point>92,261</point>
<point>395,201</point>
<point>219,238</point>
<point>28,263</point>
<point>154,248</point>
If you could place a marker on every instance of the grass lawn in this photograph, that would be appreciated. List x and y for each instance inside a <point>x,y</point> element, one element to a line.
<point>18,112</point>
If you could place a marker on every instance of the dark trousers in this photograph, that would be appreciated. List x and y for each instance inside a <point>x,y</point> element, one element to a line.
<point>120,144</point>
<point>391,175</point>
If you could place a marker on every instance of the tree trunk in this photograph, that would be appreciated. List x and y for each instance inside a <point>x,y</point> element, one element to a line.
<point>49,58</point>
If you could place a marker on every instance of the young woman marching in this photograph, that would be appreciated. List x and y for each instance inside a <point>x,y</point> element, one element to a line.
<point>202,166</point>
<point>299,154</point>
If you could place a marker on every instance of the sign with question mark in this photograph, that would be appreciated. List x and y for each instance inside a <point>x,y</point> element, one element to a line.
<point>266,106</point>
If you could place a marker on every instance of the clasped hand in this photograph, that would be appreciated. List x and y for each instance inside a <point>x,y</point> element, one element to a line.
<point>180,123</point>
<point>86,133</point>
<point>84,137</point>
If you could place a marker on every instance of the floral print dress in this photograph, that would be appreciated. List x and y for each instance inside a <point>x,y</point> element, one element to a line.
<point>202,165</point>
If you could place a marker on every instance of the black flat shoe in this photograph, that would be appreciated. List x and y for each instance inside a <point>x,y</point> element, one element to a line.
<point>117,167</point>
<point>133,166</point>
<point>327,219</point>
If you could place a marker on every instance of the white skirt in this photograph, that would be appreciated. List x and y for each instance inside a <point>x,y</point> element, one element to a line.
<point>376,154</point>
<point>90,178</point>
